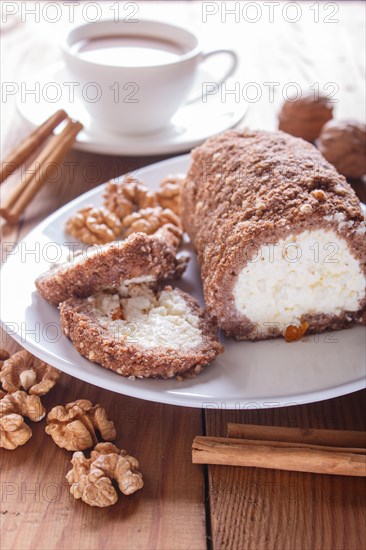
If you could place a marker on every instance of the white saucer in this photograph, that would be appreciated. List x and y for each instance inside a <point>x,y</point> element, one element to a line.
<point>190,126</point>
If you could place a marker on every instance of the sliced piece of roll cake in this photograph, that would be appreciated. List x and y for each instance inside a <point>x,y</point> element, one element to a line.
<point>139,258</point>
<point>280,235</point>
<point>138,331</point>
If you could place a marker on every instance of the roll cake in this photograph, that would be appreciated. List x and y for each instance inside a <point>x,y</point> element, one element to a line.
<point>280,235</point>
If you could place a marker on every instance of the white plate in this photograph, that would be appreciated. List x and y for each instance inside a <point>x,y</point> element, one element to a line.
<point>190,126</point>
<point>247,375</point>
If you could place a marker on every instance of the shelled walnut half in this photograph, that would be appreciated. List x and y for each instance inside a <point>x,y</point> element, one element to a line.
<point>94,225</point>
<point>13,407</point>
<point>171,234</point>
<point>23,370</point>
<point>91,478</point>
<point>169,192</point>
<point>74,426</point>
<point>124,198</point>
<point>149,220</point>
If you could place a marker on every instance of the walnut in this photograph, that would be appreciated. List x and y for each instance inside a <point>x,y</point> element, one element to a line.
<point>91,478</point>
<point>343,144</point>
<point>116,201</point>
<point>172,234</point>
<point>23,370</point>
<point>93,225</point>
<point>169,192</point>
<point>20,402</point>
<point>305,117</point>
<point>149,220</point>
<point>13,431</point>
<point>138,194</point>
<point>13,407</point>
<point>73,427</point>
<point>125,197</point>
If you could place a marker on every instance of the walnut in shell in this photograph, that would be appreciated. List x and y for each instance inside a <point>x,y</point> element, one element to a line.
<point>13,407</point>
<point>23,370</point>
<point>305,117</point>
<point>92,225</point>
<point>149,220</point>
<point>91,478</point>
<point>74,426</point>
<point>169,191</point>
<point>343,144</point>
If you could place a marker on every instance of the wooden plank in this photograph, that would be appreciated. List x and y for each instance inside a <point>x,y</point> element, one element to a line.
<point>267,509</point>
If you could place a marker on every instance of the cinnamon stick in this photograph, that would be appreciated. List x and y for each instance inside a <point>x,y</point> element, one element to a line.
<point>299,457</point>
<point>28,146</point>
<point>337,438</point>
<point>49,158</point>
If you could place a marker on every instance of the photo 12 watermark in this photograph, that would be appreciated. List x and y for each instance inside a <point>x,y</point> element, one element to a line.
<point>68,92</point>
<point>271,12</point>
<point>69,11</point>
<point>270,91</point>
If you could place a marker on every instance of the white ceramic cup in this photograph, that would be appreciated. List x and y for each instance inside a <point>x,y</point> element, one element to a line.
<point>135,99</point>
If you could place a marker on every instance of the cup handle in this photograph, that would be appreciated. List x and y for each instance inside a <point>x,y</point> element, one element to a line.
<point>231,69</point>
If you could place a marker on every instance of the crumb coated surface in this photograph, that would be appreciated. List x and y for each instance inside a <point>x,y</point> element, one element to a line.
<point>138,256</point>
<point>248,188</point>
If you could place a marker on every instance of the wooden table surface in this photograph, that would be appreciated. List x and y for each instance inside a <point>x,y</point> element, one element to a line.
<point>184,506</point>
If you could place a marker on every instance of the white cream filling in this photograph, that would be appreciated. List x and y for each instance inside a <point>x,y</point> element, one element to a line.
<point>313,272</point>
<point>149,319</point>
<point>139,280</point>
